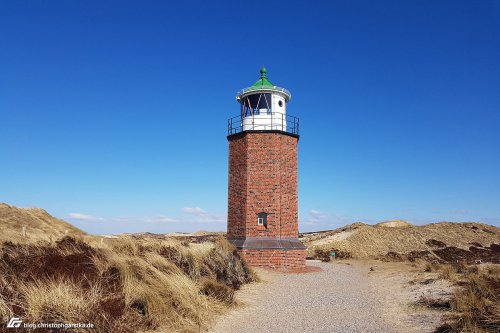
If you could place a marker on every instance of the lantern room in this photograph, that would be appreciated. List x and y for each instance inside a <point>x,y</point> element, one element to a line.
<point>263,108</point>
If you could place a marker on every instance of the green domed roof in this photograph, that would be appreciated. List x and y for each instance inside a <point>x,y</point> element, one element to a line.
<point>263,85</point>
<point>263,81</point>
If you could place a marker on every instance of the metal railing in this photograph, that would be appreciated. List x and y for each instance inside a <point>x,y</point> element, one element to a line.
<point>258,88</point>
<point>263,122</point>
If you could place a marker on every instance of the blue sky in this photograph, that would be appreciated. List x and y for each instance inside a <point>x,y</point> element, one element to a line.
<point>113,113</point>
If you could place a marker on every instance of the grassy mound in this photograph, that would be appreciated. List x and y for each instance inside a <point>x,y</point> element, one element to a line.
<point>400,239</point>
<point>23,225</point>
<point>121,285</point>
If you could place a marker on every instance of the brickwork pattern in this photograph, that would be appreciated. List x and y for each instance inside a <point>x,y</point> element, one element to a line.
<point>280,259</point>
<point>262,178</point>
<point>237,190</point>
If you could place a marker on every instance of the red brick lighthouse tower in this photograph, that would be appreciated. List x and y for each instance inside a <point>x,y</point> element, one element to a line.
<point>262,198</point>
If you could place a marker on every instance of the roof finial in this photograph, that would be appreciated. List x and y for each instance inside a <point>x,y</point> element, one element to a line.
<point>263,72</point>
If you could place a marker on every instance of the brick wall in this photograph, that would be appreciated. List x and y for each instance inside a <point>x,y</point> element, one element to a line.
<point>237,190</point>
<point>262,178</point>
<point>276,259</point>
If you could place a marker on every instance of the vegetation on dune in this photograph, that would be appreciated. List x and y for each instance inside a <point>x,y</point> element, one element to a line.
<point>475,304</point>
<point>121,285</point>
<point>51,271</point>
<point>396,240</point>
<point>457,252</point>
<point>24,225</point>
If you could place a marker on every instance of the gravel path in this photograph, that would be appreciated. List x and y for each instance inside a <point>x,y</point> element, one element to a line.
<point>341,298</point>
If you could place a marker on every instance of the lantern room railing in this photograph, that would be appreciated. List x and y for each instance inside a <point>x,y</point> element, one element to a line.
<point>263,122</point>
<point>264,88</point>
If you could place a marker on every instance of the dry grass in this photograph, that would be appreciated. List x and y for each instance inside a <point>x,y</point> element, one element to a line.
<point>434,302</point>
<point>218,290</point>
<point>475,305</point>
<point>5,311</point>
<point>478,302</point>
<point>120,285</point>
<point>59,300</point>
<point>447,272</point>
<point>367,241</point>
<point>25,225</point>
<point>127,284</point>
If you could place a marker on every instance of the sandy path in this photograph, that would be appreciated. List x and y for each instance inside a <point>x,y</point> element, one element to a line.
<point>341,298</point>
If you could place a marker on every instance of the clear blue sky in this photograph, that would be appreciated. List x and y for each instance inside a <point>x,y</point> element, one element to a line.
<point>113,113</point>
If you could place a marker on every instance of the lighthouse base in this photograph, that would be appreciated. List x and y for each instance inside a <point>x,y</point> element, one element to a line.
<point>280,259</point>
<point>272,253</point>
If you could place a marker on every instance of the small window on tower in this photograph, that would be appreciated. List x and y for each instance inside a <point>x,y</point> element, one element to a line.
<point>280,103</point>
<point>262,219</point>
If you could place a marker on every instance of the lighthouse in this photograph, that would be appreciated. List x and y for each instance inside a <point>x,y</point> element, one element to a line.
<point>262,184</point>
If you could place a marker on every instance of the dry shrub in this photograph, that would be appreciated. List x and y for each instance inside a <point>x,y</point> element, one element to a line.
<point>5,311</point>
<point>477,303</point>
<point>322,255</point>
<point>447,272</point>
<point>434,302</point>
<point>120,286</point>
<point>325,254</point>
<point>418,255</point>
<point>435,243</point>
<point>182,258</point>
<point>422,265</point>
<point>162,293</point>
<point>429,267</point>
<point>70,259</point>
<point>172,301</point>
<point>393,256</point>
<point>227,265</point>
<point>161,264</point>
<point>492,270</point>
<point>200,250</point>
<point>59,300</point>
<point>64,301</point>
<point>217,290</point>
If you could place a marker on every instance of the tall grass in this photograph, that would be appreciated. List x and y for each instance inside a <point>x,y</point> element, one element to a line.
<point>59,300</point>
<point>476,301</point>
<point>121,285</point>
